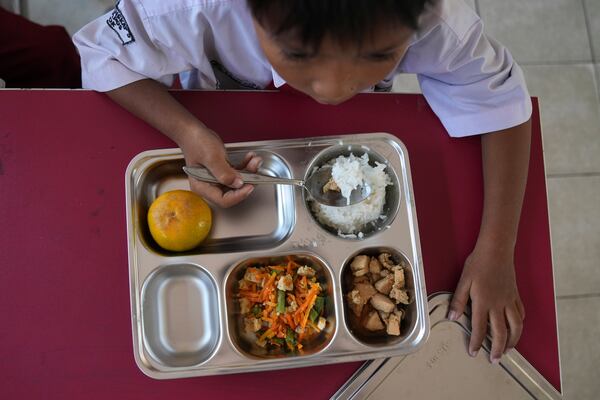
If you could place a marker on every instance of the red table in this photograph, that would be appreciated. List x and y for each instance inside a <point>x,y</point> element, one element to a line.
<point>65,330</point>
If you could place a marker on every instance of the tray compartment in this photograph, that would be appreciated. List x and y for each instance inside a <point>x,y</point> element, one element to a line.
<point>245,343</point>
<point>392,195</point>
<point>409,321</point>
<point>180,315</point>
<point>265,219</point>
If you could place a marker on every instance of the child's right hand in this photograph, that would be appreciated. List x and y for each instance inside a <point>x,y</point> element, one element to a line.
<point>205,148</point>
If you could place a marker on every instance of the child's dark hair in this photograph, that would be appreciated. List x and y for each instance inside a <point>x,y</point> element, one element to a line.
<point>345,21</point>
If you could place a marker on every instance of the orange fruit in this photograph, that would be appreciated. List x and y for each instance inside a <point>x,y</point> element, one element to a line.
<point>179,220</point>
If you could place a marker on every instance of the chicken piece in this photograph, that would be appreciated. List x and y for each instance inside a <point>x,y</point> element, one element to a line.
<point>361,279</point>
<point>386,260</point>
<point>400,314</point>
<point>355,302</point>
<point>293,306</point>
<point>252,325</point>
<point>399,295</point>
<point>373,322</point>
<point>382,303</point>
<point>286,283</point>
<point>306,271</point>
<point>245,305</point>
<point>366,291</point>
<point>360,265</point>
<point>374,266</point>
<point>245,285</point>
<point>393,325</point>
<point>384,273</point>
<point>356,308</point>
<point>253,275</point>
<point>385,284</point>
<point>331,186</point>
<point>355,298</point>
<point>399,277</point>
<point>321,324</point>
<point>384,316</point>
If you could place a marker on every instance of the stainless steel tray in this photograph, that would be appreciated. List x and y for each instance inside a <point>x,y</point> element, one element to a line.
<point>183,319</point>
<point>443,369</point>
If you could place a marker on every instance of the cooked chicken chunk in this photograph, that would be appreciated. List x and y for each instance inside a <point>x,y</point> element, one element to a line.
<point>386,260</point>
<point>361,279</point>
<point>373,322</point>
<point>306,271</point>
<point>356,308</point>
<point>400,314</point>
<point>286,283</point>
<point>252,325</point>
<point>384,316</point>
<point>385,284</point>
<point>321,324</point>
<point>399,277</point>
<point>384,273</point>
<point>245,305</point>
<point>393,325</point>
<point>355,301</point>
<point>366,291</point>
<point>374,266</point>
<point>293,306</point>
<point>382,303</point>
<point>253,275</point>
<point>360,265</point>
<point>355,297</point>
<point>331,186</point>
<point>245,285</point>
<point>399,295</point>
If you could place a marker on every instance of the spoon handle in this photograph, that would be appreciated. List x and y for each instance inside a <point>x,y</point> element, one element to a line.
<point>202,174</point>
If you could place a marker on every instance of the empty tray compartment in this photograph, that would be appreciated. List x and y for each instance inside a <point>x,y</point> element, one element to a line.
<point>180,315</point>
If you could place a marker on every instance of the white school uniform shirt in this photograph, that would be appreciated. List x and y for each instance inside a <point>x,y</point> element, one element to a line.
<point>470,81</point>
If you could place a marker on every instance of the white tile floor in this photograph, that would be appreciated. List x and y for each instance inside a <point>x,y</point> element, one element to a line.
<point>558,43</point>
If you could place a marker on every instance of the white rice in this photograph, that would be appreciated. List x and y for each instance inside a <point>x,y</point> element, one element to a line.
<point>348,173</point>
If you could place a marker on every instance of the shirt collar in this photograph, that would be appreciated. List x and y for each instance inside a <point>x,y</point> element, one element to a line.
<point>278,81</point>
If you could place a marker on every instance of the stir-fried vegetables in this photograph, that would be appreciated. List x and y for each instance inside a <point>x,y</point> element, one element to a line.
<point>282,305</point>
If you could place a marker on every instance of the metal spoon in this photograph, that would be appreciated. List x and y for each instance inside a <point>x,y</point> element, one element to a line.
<point>313,184</point>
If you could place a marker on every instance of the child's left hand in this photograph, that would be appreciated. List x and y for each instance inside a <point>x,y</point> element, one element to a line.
<point>488,279</point>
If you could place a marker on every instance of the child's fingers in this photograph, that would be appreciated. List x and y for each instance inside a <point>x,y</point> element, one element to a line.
<point>215,194</point>
<point>479,320</point>
<point>459,299</point>
<point>254,164</point>
<point>499,335</point>
<point>515,324</point>
<point>224,173</point>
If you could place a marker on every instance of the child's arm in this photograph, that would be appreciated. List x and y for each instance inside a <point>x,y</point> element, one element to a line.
<point>150,101</point>
<point>488,276</point>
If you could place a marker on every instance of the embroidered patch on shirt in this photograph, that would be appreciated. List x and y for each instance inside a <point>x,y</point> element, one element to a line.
<point>118,24</point>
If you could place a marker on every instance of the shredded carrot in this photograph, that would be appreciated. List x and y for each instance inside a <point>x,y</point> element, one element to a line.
<point>268,287</point>
<point>298,303</point>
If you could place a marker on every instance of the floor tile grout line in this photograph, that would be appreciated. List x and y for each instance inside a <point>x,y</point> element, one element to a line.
<point>577,296</point>
<point>588,29</point>
<point>574,175</point>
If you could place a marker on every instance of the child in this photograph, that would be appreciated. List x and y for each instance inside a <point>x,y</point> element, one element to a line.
<point>332,50</point>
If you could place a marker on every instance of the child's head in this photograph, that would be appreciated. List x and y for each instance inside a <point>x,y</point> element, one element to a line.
<point>334,49</point>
